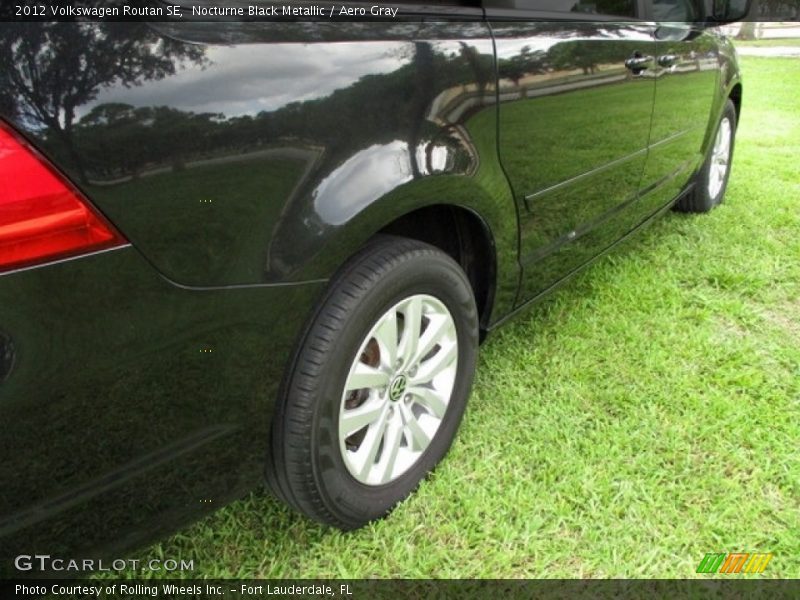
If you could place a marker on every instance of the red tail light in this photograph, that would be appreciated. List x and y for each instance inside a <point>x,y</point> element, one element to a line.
<point>42,216</point>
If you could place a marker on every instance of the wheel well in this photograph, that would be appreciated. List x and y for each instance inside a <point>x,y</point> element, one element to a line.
<point>461,234</point>
<point>736,98</point>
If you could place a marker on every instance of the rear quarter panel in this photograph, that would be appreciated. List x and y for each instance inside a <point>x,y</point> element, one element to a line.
<point>132,405</point>
<point>257,153</point>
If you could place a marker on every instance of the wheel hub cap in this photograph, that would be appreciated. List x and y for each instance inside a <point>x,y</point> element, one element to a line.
<point>720,157</point>
<point>398,389</point>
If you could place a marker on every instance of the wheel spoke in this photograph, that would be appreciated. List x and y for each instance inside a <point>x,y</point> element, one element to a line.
<point>369,447</point>
<point>386,336</point>
<point>429,400</point>
<point>364,376</point>
<point>417,438</point>
<point>355,419</point>
<point>436,364</point>
<point>438,325</point>
<point>391,446</point>
<point>412,323</point>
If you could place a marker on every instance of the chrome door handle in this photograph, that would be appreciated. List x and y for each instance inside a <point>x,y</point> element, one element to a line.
<point>667,60</point>
<point>638,63</point>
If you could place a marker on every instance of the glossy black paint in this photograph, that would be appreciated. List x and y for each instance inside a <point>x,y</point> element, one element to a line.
<point>245,162</point>
<point>131,400</point>
<point>686,85</point>
<point>255,150</point>
<point>574,129</point>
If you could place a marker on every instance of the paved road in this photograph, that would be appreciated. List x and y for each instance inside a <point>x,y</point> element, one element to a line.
<point>775,51</point>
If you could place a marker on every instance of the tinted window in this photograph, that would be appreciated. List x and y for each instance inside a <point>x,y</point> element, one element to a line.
<point>617,8</point>
<point>673,10</point>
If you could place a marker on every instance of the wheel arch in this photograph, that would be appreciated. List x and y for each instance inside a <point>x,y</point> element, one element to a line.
<point>735,95</point>
<point>474,219</point>
<point>462,234</point>
<point>732,91</point>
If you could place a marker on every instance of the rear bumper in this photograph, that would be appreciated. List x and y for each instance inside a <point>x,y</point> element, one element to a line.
<point>130,404</point>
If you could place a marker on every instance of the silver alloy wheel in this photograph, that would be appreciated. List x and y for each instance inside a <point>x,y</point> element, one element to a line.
<point>720,158</point>
<point>398,389</point>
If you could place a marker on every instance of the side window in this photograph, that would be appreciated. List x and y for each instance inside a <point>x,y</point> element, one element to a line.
<point>614,8</point>
<point>665,11</point>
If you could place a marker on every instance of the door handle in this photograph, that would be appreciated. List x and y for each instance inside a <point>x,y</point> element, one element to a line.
<point>638,63</point>
<point>667,60</point>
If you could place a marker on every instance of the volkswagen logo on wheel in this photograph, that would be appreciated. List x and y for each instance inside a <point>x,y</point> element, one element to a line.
<point>397,388</point>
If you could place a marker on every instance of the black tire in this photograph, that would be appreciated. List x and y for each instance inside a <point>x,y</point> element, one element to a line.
<point>307,468</point>
<point>700,200</point>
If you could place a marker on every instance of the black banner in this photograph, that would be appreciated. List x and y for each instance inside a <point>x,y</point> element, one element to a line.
<point>261,10</point>
<point>387,588</point>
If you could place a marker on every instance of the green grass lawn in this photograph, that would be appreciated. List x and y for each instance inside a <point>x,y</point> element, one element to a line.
<point>645,414</point>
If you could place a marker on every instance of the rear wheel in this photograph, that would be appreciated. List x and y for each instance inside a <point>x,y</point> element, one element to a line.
<point>379,384</point>
<point>712,181</point>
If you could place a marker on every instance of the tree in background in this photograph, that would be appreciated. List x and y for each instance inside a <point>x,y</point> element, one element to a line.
<point>748,30</point>
<point>52,68</point>
<point>525,63</point>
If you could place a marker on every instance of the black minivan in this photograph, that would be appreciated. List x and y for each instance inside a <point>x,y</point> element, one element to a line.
<point>232,247</point>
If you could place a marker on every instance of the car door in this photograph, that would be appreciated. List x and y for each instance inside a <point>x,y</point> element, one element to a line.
<point>576,96</point>
<point>686,74</point>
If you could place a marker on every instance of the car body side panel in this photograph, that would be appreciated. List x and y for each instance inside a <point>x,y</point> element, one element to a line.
<point>574,126</point>
<point>252,153</point>
<point>730,76</point>
<point>132,405</point>
<point>686,92</point>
